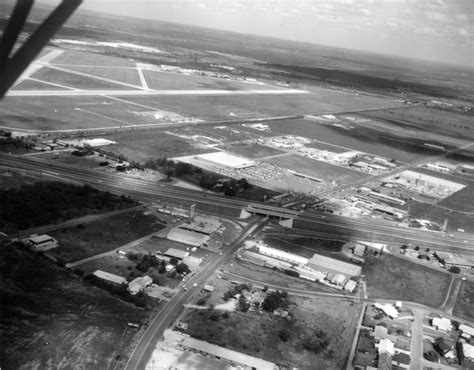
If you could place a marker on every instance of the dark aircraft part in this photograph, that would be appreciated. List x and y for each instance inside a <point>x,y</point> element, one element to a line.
<point>12,68</point>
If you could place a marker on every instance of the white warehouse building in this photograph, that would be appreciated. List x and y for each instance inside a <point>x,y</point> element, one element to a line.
<point>282,255</point>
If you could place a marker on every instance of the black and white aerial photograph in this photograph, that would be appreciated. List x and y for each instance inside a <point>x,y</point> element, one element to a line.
<point>236,184</point>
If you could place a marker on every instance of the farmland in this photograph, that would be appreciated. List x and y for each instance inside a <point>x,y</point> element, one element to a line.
<point>55,320</point>
<point>393,278</point>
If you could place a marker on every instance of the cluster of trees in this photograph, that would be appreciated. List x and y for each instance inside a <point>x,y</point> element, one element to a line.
<point>138,299</point>
<point>146,262</point>
<point>274,300</point>
<point>43,203</point>
<point>238,289</point>
<point>172,168</point>
<point>317,343</point>
<point>17,142</point>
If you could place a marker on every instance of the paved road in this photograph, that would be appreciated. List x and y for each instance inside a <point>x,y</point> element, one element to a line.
<point>171,310</point>
<point>150,191</point>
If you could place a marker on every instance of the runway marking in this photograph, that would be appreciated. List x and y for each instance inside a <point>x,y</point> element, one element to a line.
<point>52,83</point>
<point>152,92</point>
<point>142,78</point>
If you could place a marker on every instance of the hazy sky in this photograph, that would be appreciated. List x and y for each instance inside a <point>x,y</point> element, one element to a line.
<point>428,29</point>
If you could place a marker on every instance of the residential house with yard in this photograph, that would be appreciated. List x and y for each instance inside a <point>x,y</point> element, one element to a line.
<point>139,284</point>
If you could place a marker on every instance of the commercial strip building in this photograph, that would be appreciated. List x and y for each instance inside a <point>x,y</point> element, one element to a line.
<point>331,265</point>
<point>234,358</point>
<point>188,237</point>
<point>282,255</point>
<point>110,277</point>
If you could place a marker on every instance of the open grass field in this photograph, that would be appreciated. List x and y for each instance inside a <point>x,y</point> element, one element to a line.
<point>75,81</point>
<point>128,75</point>
<point>372,140</point>
<point>175,81</point>
<point>220,107</point>
<point>41,113</point>
<point>428,119</point>
<point>250,150</point>
<point>394,278</point>
<point>318,169</point>
<point>151,144</point>
<point>37,85</point>
<point>85,240</point>
<point>465,301</point>
<point>51,319</point>
<point>259,335</point>
<point>76,57</point>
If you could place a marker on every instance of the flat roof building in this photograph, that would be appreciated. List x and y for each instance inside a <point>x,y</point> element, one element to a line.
<point>187,237</point>
<point>443,323</point>
<point>233,357</point>
<point>177,253</point>
<point>110,277</point>
<point>41,242</point>
<point>282,255</point>
<point>327,264</point>
<point>350,286</point>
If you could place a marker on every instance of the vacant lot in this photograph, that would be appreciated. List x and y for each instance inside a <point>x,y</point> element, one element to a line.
<point>50,319</point>
<point>393,278</point>
<point>85,240</point>
<point>221,107</point>
<point>318,169</point>
<point>251,150</point>
<point>261,335</point>
<point>144,145</point>
<point>465,301</point>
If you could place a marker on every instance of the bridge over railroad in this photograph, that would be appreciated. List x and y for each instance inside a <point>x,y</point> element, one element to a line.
<point>286,216</point>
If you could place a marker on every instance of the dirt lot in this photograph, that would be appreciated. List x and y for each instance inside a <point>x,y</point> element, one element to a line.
<point>394,278</point>
<point>89,239</point>
<point>465,301</point>
<point>260,335</point>
<point>56,321</point>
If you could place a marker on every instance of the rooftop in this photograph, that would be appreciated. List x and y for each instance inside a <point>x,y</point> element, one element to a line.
<point>323,263</point>
<point>224,353</point>
<point>41,239</point>
<point>110,277</point>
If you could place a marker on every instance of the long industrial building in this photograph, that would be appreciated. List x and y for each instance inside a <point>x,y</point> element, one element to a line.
<point>331,265</point>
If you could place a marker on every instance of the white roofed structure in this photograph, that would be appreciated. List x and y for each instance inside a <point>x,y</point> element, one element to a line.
<point>233,357</point>
<point>467,330</point>
<point>177,253</point>
<point>327,264</point>
<point>386,346</point>
<point>443,323</point>
<point>387,309</point>
<point>187,237</point>
<point>109,277</point>
<point>139,283</point>
<point>282,255</point>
